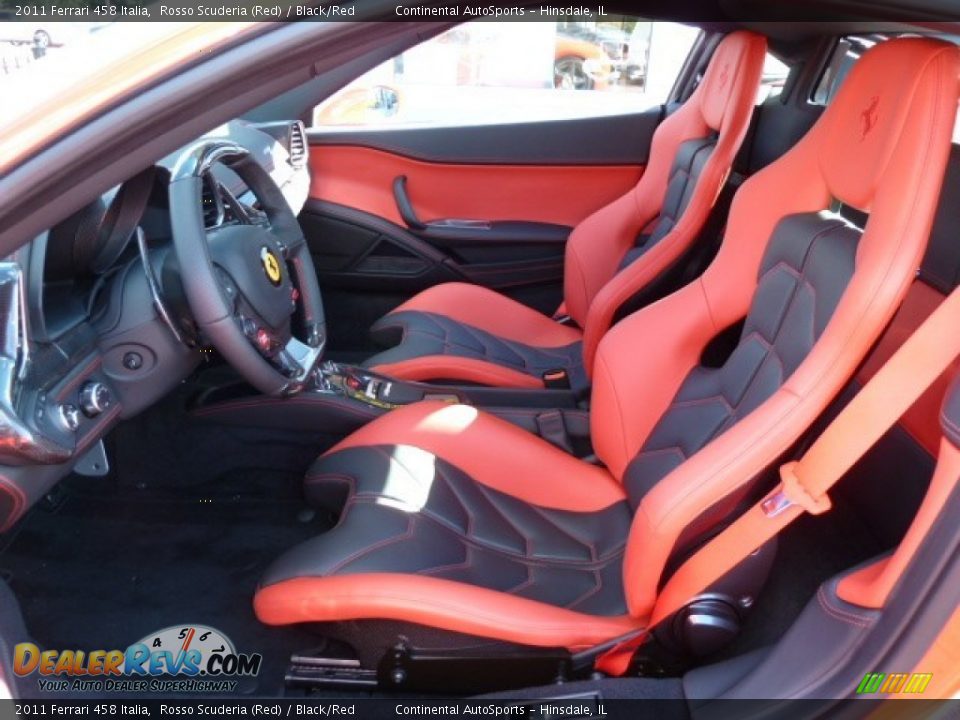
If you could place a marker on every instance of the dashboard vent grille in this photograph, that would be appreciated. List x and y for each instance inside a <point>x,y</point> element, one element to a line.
<point>298,146</point>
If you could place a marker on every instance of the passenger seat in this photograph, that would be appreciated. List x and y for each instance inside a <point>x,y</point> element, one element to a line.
<point>468,333</point>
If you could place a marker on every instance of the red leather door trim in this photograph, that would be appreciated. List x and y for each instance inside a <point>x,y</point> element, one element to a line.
<point>362,178</point>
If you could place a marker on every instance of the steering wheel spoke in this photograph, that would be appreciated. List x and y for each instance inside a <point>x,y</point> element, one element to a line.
<point>290,243</point>
<point>239,210</point>
<point>229,287</point>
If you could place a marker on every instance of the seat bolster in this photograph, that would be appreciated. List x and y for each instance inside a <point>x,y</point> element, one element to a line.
<point>477,443</point>
<point>435,602</point>
<point>598,244</point>
<point>677,329</point>
<point>624,285</point>
<point>748,52</point>
<point>491,312</point>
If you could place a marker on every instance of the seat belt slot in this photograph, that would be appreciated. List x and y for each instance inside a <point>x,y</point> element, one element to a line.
<point>793,493</point>
<point>556,379</point>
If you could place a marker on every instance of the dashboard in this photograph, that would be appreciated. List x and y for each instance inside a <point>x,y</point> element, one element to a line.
<point>93,328</point>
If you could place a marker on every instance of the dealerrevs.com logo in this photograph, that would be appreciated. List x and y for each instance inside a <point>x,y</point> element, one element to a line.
<point>180,658</point>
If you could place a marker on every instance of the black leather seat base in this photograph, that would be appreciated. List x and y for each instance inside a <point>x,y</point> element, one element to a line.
<point>413,334</point>
<point>404,510</point>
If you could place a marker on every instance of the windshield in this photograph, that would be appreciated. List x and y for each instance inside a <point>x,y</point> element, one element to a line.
<point>38,61</point>
<point>56,76</point>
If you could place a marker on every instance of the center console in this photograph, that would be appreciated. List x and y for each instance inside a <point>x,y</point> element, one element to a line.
<point>344,397</point>
<point>371,388</point>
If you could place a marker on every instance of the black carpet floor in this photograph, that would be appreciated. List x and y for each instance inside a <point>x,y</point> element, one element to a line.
<point>178,533</point>
<point>104,568</point>
<point>809,552</point>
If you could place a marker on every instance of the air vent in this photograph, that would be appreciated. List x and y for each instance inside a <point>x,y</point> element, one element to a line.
<point>298,146</point>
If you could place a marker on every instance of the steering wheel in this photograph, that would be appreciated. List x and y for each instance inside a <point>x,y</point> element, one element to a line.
<point>248,279</point>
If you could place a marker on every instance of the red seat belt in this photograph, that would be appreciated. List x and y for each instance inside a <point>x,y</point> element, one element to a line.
<point>925,356</point>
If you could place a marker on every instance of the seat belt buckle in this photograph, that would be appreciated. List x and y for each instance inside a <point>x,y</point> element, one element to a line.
<point>792,492</point>
<point>556,379</point>
<point>552,428</point>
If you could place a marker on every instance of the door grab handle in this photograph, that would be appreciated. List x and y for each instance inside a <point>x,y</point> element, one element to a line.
<point>404,205</point>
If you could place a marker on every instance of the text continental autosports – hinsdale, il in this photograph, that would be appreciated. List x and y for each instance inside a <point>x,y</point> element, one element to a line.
<point>495,11</point>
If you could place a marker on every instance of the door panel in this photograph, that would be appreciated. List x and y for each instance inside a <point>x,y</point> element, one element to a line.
<point>601,140</point>
<point>362,178</point>
<point>530,184</point>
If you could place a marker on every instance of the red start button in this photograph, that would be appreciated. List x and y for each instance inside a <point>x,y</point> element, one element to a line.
<point>263,339</point>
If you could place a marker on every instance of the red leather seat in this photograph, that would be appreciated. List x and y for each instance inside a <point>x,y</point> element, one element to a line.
<point>457,331</point>
<point>455,520</point>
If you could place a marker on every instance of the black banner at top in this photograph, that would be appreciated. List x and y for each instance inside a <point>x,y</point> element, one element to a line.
<point>100,11</point>
<point>294,10</point>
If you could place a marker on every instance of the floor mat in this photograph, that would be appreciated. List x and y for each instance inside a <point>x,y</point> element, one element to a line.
<point>810,551</point>
<point>179,538</point>
<point>873,505</point>
<point>104,568</point>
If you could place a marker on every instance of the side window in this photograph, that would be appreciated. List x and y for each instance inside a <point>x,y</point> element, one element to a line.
<point>506,72</point>
<point>846,53</point>
<point>774,77</point>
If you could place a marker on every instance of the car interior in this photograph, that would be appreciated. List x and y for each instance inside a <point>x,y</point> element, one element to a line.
<point>502,408</point>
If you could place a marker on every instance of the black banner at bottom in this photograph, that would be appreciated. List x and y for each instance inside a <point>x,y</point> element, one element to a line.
<point>557,708</point>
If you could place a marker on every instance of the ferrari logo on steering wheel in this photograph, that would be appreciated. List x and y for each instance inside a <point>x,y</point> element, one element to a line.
<point>271,265</point>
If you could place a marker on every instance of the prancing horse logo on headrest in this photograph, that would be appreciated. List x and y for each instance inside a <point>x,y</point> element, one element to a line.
<point>868,117</point>
<point>724,76</point>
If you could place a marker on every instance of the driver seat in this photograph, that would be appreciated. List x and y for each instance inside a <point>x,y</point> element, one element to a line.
<point>455,523</point>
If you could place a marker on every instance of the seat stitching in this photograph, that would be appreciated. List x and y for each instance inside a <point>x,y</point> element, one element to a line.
<point>386,542</point>
<point>669,449</point>
<point>841,615</point>
<point>529,582</point>
<point>598,586</point>
<point>527,542</point>
<point>464,564</point>
<point>703,401</point>
<point>559,529</point>
<point>315,478</point>
<point>428,514</point>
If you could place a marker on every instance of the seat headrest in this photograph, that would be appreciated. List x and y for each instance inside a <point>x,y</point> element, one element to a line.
<point>725,69</point>
<point>862,126</point>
